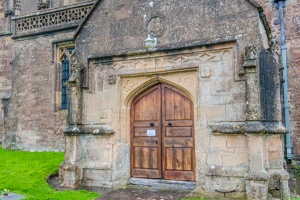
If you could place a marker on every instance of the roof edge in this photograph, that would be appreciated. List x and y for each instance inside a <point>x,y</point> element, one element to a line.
<point>257,5</point>
<point>85,19</point>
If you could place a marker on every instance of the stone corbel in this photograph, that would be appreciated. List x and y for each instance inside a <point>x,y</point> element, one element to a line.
<point>9,12</point>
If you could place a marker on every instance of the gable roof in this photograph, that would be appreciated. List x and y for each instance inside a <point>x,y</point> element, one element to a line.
<point>85,19</point>
<point>253,2</point>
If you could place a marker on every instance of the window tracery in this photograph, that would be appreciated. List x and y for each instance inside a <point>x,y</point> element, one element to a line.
<point>65,54</point>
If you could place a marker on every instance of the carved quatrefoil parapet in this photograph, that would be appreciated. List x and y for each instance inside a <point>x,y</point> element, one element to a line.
<point>50,20</point>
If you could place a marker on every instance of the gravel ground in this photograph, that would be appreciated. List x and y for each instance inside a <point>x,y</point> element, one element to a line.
<point>143,193</point>
<point>127,193</point>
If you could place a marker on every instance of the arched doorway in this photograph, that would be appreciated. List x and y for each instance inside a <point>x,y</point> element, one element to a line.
<point>162,135</point>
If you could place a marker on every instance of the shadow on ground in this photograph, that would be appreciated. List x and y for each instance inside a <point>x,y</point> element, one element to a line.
<point>143,193</point>
<point>126,193</point>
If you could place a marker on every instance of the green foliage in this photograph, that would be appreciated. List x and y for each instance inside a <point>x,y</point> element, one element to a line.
<point>296,170</point>
<point>25,173</point>
<point>5,191</point>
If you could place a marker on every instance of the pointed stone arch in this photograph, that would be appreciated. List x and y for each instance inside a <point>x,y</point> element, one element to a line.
<point>162,133</point>
<point>150,83</point>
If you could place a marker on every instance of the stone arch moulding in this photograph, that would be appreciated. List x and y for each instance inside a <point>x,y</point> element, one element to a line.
<point>150,83</point>
<point>155,115</point>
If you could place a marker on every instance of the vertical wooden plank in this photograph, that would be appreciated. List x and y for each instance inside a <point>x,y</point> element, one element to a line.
<point>187,159</point>
<point>178,148</point>
<point>179,107</point>
<point>137,154</point>
<point>159,111</point>
<point>153,158</point>
<point>145,150</point>
<point>169,159</point>
<point>188,106</point>
<point>145,158</point>
<point>179,159</point>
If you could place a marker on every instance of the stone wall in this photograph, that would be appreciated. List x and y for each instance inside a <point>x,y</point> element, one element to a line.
<point>206,74</point>
<point>6,56</point>
<point>33,123</point>
<point>223,161</point>
<point>2,16</point>
<point>120,26</point>
<point>29,54</point>
<point>207,54</point>
<point>292,20</point>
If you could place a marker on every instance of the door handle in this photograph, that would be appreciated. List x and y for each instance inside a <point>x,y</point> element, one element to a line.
<point>170,123</point>
<point>151,124</point>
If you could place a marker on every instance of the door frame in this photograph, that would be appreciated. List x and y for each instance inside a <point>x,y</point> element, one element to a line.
<point>162,128</point>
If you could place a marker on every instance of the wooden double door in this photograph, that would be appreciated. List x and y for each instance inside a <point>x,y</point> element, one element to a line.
<point>162,135</point>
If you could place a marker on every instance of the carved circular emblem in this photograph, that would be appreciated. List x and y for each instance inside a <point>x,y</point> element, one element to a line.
<point>156,25</point>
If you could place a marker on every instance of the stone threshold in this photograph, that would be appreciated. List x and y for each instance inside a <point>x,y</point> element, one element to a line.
<point>163,184</point>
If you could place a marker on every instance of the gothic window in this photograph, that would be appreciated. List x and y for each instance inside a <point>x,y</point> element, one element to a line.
<point>65,53</point>
<point>65,76</point>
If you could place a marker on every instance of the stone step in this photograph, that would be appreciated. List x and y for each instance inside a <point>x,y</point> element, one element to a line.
<point>163,184</point>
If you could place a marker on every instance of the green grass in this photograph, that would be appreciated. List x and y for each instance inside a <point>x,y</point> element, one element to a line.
<point>25,173</point>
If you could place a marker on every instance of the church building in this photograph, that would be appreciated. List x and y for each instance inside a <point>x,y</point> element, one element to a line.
<point>186,94</point>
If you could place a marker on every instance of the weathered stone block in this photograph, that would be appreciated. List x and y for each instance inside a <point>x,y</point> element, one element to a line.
<point>92,177</point>
<point>235,159</point>
<point>216,113</point>
<point>214,158</point>
<point>218,142</point>
<point>224,184</point>
<point>237,142</point>
<point>257,189</point>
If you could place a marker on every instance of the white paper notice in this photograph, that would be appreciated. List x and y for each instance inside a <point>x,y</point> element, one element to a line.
<point>151,132</point>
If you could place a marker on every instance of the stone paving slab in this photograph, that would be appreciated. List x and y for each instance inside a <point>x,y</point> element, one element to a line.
<point>143,194</point>
<point>12,196</point>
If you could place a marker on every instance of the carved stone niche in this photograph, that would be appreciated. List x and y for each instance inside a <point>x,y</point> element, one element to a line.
<point>43,5</point>
<point>5,103</point>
